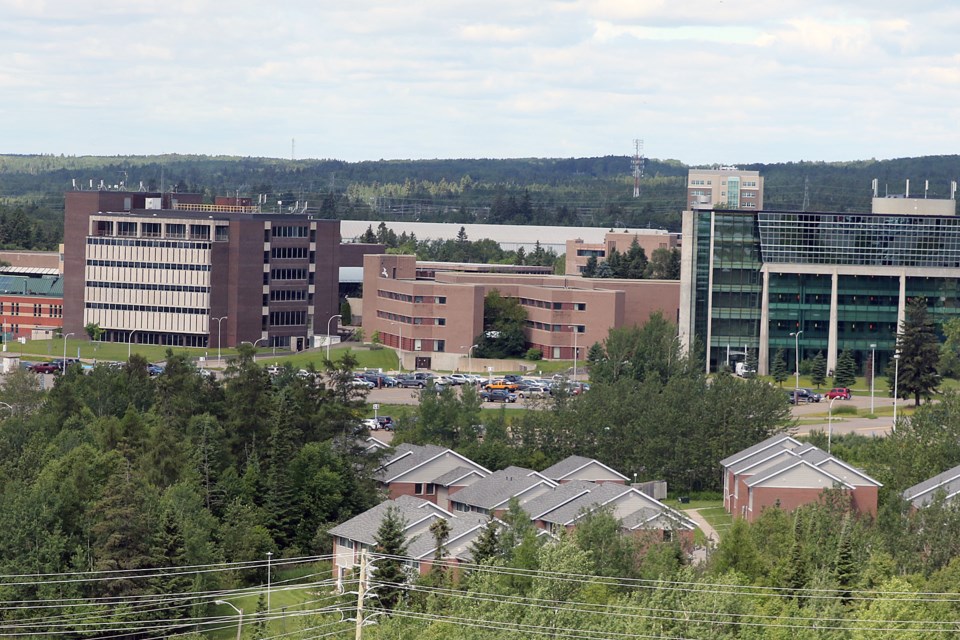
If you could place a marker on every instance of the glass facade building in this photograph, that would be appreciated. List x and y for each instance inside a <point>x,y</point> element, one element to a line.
<point>751,279</point>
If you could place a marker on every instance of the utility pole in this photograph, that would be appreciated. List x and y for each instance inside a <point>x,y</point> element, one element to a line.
<point>361,592</point>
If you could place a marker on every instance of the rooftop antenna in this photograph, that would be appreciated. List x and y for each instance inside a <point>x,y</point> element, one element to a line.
<point>637,166</point>
<point>74,184</point>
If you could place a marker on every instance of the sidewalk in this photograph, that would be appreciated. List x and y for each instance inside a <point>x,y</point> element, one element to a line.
<point>712,536</point>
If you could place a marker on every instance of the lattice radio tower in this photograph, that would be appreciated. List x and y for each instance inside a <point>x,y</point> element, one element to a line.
<point>637,166</point>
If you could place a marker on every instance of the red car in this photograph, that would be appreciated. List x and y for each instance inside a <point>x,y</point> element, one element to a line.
<point>838,392</point>
<point>44,367</point>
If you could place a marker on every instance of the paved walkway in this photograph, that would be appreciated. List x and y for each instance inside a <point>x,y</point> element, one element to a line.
<point>712,536</point>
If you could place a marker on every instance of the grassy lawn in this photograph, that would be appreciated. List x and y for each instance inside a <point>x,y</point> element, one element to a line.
<point>385,359</point>
<point>714,513</point>
<point>107,351</point>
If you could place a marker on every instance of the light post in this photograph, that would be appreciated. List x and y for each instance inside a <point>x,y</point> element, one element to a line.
<point>329,320</point>
<point>896,381</point>
<point>239,614</point>
<point>130,341</point>
<point>575,332</point>
<point>254,345</point>
<point>65,351</point>
<point>796,361</point>
<point>469,356</point>
<point>830,424</point>
<point>399,343</point>
<point>873,355</point>
<point>219,321</point>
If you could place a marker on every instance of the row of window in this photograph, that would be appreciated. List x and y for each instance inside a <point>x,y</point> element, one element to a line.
<point>131,264</point>
<point>543,326</point>
<point>287,318</point>
<point>146,286</point>
<point>556,306</point>
<point>287,295</point>
<point>288,274</point>
<point>283,253</point>
<point>160,244</point>
<point>403,297</point>
<point>146,308</point>
<point>438,322</point>
<point>290,232</point>
<point>52,310</point>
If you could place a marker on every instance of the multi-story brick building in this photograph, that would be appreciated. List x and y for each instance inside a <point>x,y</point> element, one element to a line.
<point>31,306</point>
<point>579,252</point>
<point>168,269</point>
<point>436,320</point>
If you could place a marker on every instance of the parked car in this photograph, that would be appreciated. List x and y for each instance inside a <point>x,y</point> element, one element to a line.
<point>362,382</point>
<point>804,395</point>
<point>839,392</point>
<point>155,369</point>
<point>813,395</point>
<point>497,395</point>
<point>459,378</point>
<point>385,422</point>
<point>44,367</point>
<point>370,423</point>
<point>513,377</point>
<point>527,390</point>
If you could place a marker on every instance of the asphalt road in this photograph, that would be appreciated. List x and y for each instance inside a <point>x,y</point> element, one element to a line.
<point>843,424</point>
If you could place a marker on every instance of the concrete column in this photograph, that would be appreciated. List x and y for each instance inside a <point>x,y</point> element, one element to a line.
<point>688,281</point>
<point>763,354</point>
<point>832,335</point>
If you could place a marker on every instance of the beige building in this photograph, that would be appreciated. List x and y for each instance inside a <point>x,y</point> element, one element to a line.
<point>579,252</point>
<point>433,322</point>
<point>726,187</point>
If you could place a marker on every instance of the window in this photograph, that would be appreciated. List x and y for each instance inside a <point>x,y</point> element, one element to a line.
<point>223,233</point>
<point>580,306</point>
<point>439,345</point>
<point>431,489</point>
<point>418,488</point>
<point>441,299</point>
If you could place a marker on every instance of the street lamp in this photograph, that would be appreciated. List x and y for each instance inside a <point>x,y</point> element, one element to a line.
<point>575,332</point>
<point>896,380</point>
<point>796,361</point>
<point>830,424</point>
<point>130,341</point>
<point>239,614</point>
<point>399,343</point>
<point>219,321</point>
<point>329,320</point>
<point>873,355</point>
<point>254,345</point>
<point>65,351</point>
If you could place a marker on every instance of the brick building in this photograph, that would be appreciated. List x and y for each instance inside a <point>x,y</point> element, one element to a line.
<point>434,321</point>
<point>167,269</point>
<point>579,252</point>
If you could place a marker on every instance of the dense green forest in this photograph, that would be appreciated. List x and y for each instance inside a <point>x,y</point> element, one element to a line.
<point>131,504</point>
<point>560,191</point>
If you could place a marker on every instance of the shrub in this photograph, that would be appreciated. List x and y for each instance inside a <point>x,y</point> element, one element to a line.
<point>534,354</point>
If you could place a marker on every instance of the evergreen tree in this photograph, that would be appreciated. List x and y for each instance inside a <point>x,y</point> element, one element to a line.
<point>845,569</point>
<point>750,362</point>
<point>487,544</point>
<point>590,269</point>
<point>388,572</point>
<point>604,270</point>
<point>919,353</point>
<point>778,369</point>
<point>845,374</point>
<point>818,371</point>
<point>440,530</point>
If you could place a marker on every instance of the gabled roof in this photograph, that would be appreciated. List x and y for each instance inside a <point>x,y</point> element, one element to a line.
<point>822,459</point>
<point>454,476</point>
<point>557,497</point>
<point>464,528</point>
<point>497,488</point>
<point>363,528</point>
<point>766,455</point>
<point>924,492</point>
<point>411,456</point>
<point>778,440</point>
<point>788,465</point>
<point>589,496</point>
<point>570,465</point>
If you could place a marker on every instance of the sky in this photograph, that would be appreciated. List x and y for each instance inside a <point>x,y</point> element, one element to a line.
<point>700,81</point>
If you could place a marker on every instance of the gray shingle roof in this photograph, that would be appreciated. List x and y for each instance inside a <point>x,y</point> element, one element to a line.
<point>924,492</point>
<point>454,475</point>
<point>760,446</point>
<point>363,528</point>
<point>498,487</point>
<point>569,511</point>
<point>786,465</point>
<point>557,496</point>
<point>406,457</point>
<point>464,528</point>
<point>572,464</point>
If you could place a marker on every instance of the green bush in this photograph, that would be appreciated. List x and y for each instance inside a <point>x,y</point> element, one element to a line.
<point>534,354</point>
<point>845,410</point>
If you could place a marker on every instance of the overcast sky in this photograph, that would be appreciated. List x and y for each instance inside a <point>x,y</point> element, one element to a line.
<point>718,81</point>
